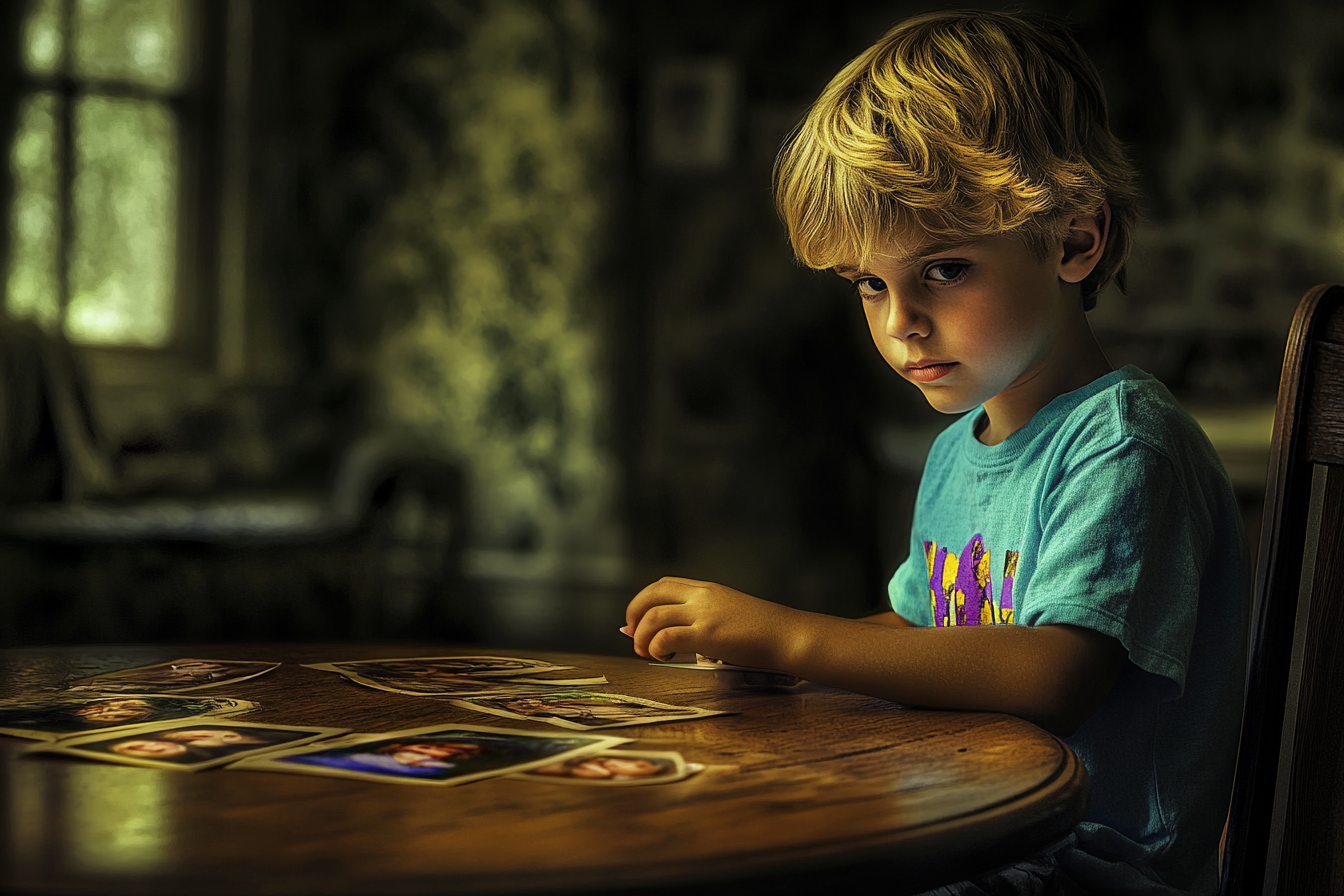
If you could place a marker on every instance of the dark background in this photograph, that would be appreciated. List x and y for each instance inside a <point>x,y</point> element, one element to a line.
<point>461,222</point>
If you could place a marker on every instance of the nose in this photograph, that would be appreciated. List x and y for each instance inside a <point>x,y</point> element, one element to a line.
<point>905,320</point>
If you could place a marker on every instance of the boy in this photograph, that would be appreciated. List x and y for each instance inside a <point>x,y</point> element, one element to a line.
<point>1077,556</point>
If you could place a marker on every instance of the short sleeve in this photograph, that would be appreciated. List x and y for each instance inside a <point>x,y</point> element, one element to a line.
<point>1118,555</point>
<point>909,589</point>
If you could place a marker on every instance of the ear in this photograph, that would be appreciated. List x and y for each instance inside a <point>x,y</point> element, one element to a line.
<point>1084,244</point>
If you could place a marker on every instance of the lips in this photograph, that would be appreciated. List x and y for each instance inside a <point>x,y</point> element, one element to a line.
<point>928,371</point>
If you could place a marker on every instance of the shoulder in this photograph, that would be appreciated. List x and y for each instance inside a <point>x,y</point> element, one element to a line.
<point>1133,411</point>
<point>1131,443</point>
<point>1126,406</point>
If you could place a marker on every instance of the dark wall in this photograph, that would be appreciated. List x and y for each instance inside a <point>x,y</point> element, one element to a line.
<point>605,326</point>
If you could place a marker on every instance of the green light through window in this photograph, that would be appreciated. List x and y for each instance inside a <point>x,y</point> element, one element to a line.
<point>33,288</point>
<point>121,259</point>
<point>42,38</point>
<point>121,256</point>
<point>136,41</point>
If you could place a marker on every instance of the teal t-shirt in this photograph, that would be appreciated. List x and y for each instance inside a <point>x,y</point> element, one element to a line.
<point>1110,510</point>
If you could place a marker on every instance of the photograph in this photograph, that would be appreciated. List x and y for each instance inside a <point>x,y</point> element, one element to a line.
<point>457,676</point>
<point>178,675</point>
<point>473,666</point>
<point>438,755</point>
<point>463,686</point>
<point>726,675</point>
<point>188,745</point>
<point>582,710</point>
<point>615,768</point>
<point>51,717</point>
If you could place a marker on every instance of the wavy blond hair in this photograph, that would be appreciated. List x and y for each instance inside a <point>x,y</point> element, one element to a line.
<point>959,124</point>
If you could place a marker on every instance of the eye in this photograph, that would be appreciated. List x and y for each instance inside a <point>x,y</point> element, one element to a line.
<point>870,287</point>
<point>946,271</point>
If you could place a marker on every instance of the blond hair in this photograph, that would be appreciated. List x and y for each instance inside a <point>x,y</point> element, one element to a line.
<point>959,125</point>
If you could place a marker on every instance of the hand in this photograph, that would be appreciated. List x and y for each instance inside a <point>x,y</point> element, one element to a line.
<point>676,615</point>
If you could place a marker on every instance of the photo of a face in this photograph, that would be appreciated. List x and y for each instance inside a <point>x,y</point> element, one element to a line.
<point>49,717</point>
<point>613,768</point>
<point>582,710</point>
<point>190,746</point>
<point>178,675</point>
<point>440,756</point>
<point>456,676</point>
<point>469,666</point>
<point>414,758</point>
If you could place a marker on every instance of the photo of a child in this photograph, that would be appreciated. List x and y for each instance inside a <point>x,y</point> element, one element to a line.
<point>49,717</point>
<point>438,755</point>
<point>582,711</point>
<point>186,746</point>
<point>615,768</point>
<point>178,675</point>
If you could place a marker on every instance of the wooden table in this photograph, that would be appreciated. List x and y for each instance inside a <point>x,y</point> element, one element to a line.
<point>805,790</point>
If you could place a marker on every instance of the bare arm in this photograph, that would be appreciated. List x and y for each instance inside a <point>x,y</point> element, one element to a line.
<point>1055,676</point>
<point>890,617</point>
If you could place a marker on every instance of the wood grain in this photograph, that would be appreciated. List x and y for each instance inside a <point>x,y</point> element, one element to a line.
<point>1325,407</point>
<point>1313,858</point>
<point>1306,431</point>
<point>801,786</point>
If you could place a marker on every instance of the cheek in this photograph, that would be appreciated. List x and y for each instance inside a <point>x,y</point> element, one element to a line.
<point>999,337</point>
<point>877,329</point>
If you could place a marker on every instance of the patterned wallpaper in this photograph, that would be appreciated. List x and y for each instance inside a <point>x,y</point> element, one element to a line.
<point>496,237</point>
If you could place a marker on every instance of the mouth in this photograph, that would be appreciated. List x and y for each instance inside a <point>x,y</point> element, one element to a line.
<point>928,371</point>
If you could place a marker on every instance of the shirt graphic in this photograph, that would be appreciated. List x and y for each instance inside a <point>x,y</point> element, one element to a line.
<point>960,589</point>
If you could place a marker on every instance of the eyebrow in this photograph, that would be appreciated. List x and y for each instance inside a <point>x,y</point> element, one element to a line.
<point>919,252</point>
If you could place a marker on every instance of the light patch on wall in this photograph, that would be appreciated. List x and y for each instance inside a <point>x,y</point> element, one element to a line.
<point>502,364</point>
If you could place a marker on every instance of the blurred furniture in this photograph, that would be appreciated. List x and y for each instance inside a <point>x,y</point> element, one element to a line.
<point>373,549</point>
<point>1286,828</point>
<point>805,790</point>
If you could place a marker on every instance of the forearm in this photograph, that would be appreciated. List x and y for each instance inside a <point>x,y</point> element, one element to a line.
<point>1054,676</point>
<point>888,617</point>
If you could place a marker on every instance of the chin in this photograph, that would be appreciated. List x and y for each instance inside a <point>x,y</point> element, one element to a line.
<point>949,404</point>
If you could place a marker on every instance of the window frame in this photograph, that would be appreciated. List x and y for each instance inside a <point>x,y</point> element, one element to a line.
<point>197,107</point>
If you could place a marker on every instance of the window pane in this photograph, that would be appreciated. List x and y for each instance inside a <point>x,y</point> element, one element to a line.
<point>42,38</point>
<point>125,216</point>
<point>34,246</point>
<point>140,41</point>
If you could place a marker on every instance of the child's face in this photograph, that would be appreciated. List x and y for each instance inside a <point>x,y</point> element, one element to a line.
<point>965,323</point>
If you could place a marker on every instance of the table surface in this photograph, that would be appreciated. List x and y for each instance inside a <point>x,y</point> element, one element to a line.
<point>801,786</point>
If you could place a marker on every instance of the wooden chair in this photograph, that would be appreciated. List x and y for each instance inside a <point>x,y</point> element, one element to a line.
<point>1286,828</point>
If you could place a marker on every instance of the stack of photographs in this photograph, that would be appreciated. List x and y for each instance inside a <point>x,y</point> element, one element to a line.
<point>126,698</point>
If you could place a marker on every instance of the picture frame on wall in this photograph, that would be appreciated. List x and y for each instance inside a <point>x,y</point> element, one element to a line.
<point>691,114</point>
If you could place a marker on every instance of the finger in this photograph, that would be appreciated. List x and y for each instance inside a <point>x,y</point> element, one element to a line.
<point>663,591</point>
<point>655,620</point>
<point>669,642</point>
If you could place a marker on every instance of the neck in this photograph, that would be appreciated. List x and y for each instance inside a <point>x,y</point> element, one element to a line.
<point>1074,361</point>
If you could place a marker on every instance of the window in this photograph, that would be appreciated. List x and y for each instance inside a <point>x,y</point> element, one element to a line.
<point>97,163</point>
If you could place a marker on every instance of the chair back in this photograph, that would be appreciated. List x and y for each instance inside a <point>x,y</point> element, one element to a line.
<point>1286,827</point>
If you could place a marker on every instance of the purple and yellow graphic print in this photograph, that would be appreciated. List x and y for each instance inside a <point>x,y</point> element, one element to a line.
<point>960,589</point>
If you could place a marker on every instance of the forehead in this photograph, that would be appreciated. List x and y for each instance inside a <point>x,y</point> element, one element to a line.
<point>901,252</point>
